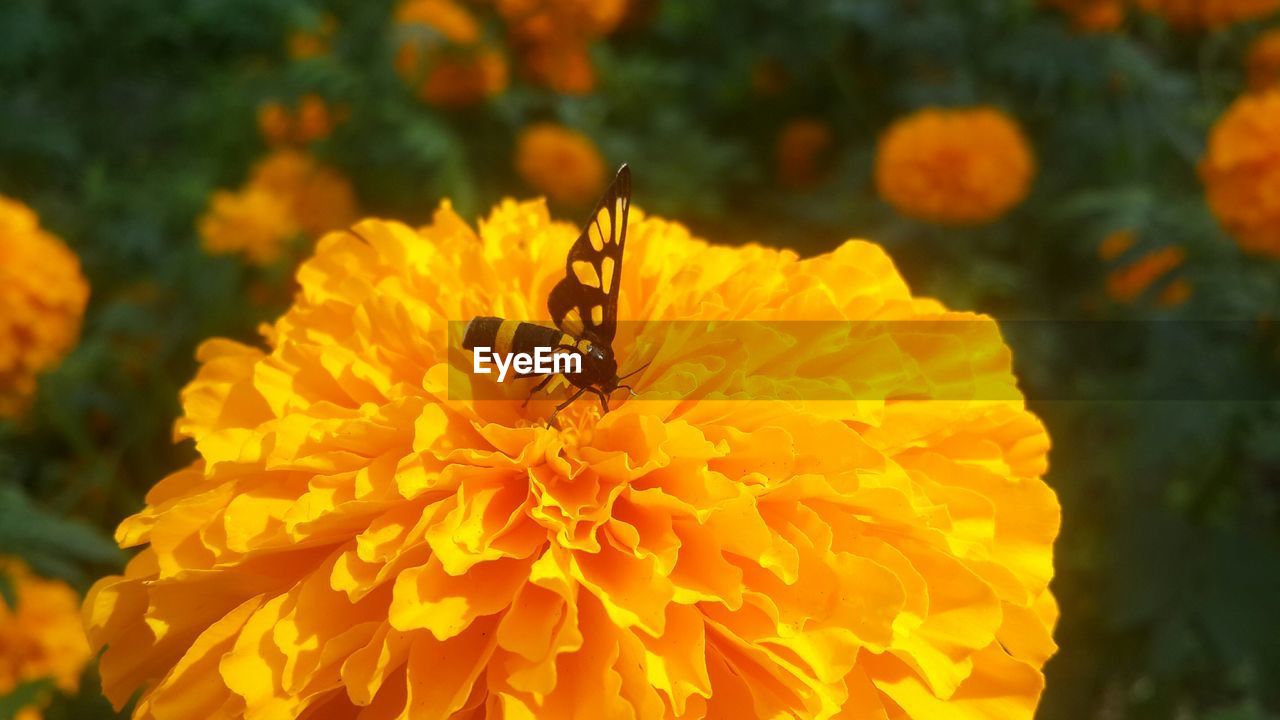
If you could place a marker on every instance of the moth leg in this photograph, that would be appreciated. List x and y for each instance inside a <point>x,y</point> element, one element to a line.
<point>535,390</point>
<point>552,420</point>
<point>629,389</point>
<point>604,399</point>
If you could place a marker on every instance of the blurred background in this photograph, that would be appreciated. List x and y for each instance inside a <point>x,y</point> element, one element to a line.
<point>190,153</point>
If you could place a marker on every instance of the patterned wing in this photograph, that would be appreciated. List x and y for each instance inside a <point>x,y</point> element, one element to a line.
<point>585,302</point>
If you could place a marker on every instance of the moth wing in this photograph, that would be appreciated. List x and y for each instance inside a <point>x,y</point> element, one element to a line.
<point>585,302</point>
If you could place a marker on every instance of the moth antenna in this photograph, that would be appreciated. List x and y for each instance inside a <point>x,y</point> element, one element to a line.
<point>633,372</point>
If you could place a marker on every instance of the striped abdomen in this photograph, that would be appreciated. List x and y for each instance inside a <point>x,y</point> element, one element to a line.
<point>512,336</point>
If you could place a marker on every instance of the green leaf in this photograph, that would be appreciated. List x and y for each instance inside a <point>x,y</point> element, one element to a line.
<point>52,545</point>
<point>24,696</point>
<point>8,593</point>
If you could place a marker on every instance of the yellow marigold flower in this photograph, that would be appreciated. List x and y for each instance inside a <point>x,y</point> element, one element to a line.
<point>954,166</point>
<point>1209,13</point>
<point>452,67</point>
<point>560,162</point>
<point>288,193</point>
<point>42,300</point>
<point>313,120</point>
<point>1092,15</point>
<point>42,636</point>
<point>1264,62</point>
<point>353,543</point>
<point>1241,172</point>
<point>801,152</point>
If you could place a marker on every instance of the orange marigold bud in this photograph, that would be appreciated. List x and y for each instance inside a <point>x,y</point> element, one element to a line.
<point>1264,62</point>
<point>313,42</point>
<point>313,120</point>
<point>954,166</point>
<point>1092,15</point>
<point>1241,172</point>
<point>801,152</point>
<point>1209,14</point>
<point>1116,244</point>
<point>560,162</point>
<point>42,301</point>
<point>1127,283</point>
<point>563,66</point>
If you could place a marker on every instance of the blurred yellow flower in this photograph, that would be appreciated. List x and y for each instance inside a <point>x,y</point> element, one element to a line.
<point>1264,62</point>
<point>1093,15</point>
<point>954,166</point>
<point>560,162</point>
<point>251,221</point>
<point>42,300</point>
<point>451,65</point>
<point>802,152</point>
<point>1241,172</point>
<point>42,636</point>
<point>553,37</point>
<point>288,193</point>
<point>1209,13</point>
<point>354,543</point>
<point>312,120</point>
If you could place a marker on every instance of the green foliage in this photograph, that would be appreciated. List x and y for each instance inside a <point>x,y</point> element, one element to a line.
<point>54,546</point>
<point>120,118</point>
<point>23,696</point>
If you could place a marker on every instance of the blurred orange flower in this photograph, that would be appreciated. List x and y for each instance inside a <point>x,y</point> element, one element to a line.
<point>563,67</point>
<point>312,120</point>
<point>553,37</point>
<point>1127,283</point>
<point>288,193</point>
<point>560,162</point>
<point>1241,172</point>
<point>42,301</point>
<point>1093,15</point>
<point>954,166</point>
<point>1116,244</point>
<point>801,152</point>
<point>1209,14</point>
<point>451,65</point>
<point>354,543</point>
<point>1264,62</point>
<point>313,42</point>
<point>41,637</point>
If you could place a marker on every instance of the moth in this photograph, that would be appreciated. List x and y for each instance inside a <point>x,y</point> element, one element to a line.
<point>583,306</point>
